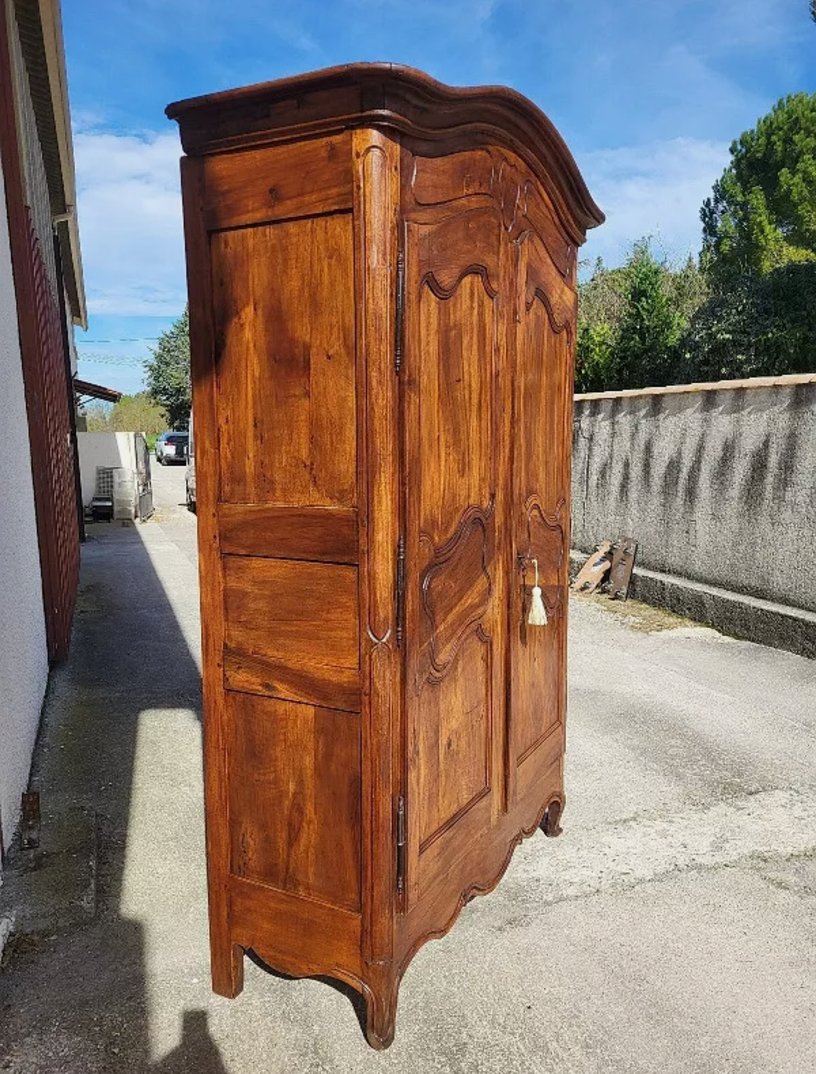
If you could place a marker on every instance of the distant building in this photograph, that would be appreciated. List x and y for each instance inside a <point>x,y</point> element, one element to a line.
<point>41,299</point>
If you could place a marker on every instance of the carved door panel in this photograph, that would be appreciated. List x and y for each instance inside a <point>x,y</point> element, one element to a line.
<point>541,443</point>
<point>454,575</point>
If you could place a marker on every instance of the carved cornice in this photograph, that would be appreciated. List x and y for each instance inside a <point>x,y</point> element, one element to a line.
<point>475,176</point>
<point>396,98</point>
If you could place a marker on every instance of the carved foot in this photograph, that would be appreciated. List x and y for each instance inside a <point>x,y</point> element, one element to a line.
<point>227,969</point>
<point>550,821</point>
<point>381,1016</point>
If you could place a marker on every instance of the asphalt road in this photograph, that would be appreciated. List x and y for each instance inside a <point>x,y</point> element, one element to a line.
<point>670,930</point>
<point>169,499</point>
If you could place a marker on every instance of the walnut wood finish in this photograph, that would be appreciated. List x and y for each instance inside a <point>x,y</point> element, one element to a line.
<point>382,298</point>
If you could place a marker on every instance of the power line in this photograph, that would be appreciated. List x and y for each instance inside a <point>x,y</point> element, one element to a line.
<point>111,359</point>
<point>123,339</point>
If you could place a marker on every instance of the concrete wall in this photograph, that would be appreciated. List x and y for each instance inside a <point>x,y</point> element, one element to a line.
<point>23,655</point>
<point>718,484</point>
<point>103,449</point>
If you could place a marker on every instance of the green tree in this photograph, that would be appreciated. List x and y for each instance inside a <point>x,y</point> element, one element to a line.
<point>756,326</point>
<point>168,372</point>
<point>601,300</point>
<point>687,288</point>
<point>603,296</point>
<point>97,417</point>
<point>593,365</point>
<point>762,211</point>
<point>649,330</point>
<point>138,413</point>
<point>607,302</point>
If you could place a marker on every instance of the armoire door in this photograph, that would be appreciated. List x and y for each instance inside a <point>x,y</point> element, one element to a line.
<point>454,344</point>
<point>541,401</point>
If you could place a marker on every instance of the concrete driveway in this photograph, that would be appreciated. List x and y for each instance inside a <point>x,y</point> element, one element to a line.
<point>671,929</point>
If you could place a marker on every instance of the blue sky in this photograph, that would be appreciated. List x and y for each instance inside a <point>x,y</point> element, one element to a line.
<point>648,96</point>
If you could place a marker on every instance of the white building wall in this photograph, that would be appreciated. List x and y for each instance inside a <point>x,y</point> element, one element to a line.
<point>23,654</point>
<point>103,449</point>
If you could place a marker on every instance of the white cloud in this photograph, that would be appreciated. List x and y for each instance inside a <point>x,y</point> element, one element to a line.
<point>131,225</point>
<point>734,26</point>
<point>130,222</point>
<point>655,189</point>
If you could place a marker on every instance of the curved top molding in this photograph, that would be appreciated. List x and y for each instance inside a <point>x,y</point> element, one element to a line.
<point>398,98</point>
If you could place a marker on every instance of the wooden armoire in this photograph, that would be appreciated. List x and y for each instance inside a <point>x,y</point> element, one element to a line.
<point>382,282</point>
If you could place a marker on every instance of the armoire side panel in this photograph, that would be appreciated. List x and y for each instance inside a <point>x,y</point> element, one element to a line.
<point>285,376</point>
<point>275,374</point>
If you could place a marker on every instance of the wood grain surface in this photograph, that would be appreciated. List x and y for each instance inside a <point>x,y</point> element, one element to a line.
<point>292,630</point>
<point>284,315</point>
<point>382,276</point>
<point>305,760</point>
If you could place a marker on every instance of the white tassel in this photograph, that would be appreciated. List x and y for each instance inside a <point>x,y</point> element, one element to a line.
<point>538,613</point>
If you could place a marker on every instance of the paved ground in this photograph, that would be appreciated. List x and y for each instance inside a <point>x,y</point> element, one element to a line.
<point>671,929</point>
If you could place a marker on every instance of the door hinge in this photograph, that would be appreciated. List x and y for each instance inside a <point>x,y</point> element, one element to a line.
<point>399,311</point>
<point>400,609</point>
<point>400,845</point>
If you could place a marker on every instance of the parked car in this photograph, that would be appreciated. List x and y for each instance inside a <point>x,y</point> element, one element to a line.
<point>171,447</point>
<point>189,477</point>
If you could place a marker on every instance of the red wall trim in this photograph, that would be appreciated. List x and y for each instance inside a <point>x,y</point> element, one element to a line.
<point>45,375</point>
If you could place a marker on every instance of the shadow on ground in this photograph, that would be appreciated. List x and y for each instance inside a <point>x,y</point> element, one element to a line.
<point>79,1002</point>
<point>667,924</point>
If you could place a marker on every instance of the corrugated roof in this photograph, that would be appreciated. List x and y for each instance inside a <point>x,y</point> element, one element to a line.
<point>96,391</point>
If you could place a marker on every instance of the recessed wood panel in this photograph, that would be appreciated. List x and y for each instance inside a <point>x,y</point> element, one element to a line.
<point>284,352</point>
<point>537,692</point>
<point>500,177</point>
<point>441,181</point>
<point>455,399</point>
<point>531,772</point>
<point>255,186</point>
<point>294,797</point>
<point>542,390</point>
<point>291,630</point>
<point>326,534</point>
<point>454,740</point>
<point>457,587</point>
